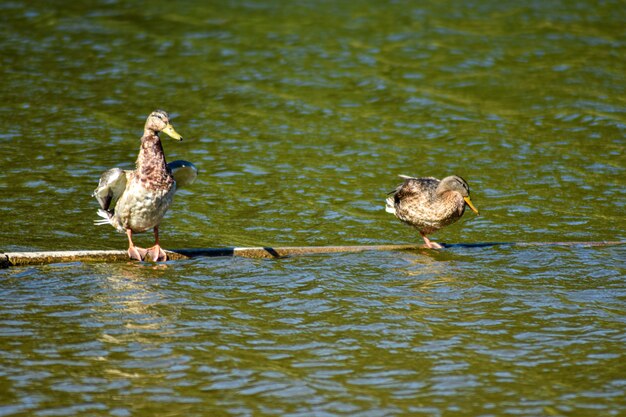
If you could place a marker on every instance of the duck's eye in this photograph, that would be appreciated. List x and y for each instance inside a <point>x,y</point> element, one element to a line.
<point>161,116</point>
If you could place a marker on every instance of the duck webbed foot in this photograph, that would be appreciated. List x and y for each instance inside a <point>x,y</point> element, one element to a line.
<point>156,254</point>
<point>135,252</point>
<point>430,244</point>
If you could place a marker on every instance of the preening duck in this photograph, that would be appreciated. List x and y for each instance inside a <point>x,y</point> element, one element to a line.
<point>428,204</point>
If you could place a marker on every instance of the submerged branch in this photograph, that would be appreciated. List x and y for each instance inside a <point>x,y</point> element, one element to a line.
<point>38,258</point>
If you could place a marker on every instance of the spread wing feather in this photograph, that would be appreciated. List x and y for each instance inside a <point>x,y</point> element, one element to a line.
<point>184,172</point>
<point>111,186</point>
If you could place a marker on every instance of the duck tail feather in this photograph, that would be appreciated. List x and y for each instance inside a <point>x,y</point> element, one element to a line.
<point>390,205</point>
<point>106,218</point>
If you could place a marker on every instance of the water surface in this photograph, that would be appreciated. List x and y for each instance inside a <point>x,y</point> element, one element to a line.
<point>300,117</point>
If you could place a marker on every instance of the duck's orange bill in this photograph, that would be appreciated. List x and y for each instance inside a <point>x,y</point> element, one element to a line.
<point>469,203</point>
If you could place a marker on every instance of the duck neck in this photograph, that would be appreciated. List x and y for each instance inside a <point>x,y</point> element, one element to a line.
<point>151,165</point>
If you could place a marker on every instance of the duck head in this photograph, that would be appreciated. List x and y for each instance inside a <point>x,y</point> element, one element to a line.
<point>457,184</point>
<point>159,121</point>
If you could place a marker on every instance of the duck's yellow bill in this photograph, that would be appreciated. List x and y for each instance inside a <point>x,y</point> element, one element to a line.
<point>469,203</point>
<point>169,130</point>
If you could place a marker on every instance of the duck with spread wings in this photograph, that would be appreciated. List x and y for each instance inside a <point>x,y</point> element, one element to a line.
<point>142,196</point>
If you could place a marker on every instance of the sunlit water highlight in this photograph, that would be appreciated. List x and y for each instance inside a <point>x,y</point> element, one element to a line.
<point>299,117</point>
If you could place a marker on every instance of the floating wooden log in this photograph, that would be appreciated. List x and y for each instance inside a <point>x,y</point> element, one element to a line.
<point>38,258</point>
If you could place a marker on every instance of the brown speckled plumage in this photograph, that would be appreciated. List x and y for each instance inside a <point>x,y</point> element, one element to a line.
<point>151,167</point>
<point>429,204</point>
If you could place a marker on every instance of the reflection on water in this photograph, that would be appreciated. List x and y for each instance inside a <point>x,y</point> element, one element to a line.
<point>337,334</point>
<point>299,118</point>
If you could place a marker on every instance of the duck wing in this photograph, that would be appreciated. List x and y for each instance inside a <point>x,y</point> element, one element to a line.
<point>413,191</point>
<point>111,186</point>
<point>184,173</point>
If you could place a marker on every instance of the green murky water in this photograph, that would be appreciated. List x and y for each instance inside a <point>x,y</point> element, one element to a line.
<point>299,117</point>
